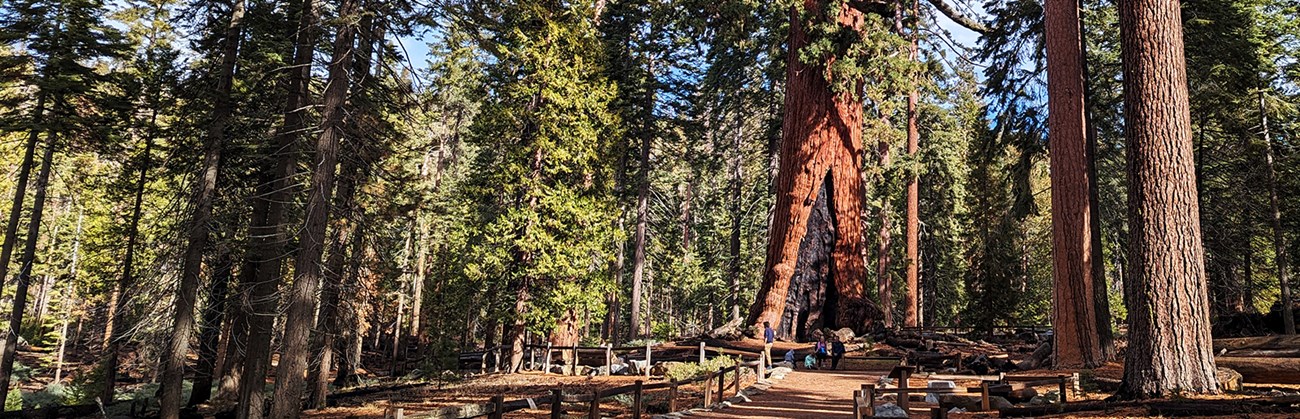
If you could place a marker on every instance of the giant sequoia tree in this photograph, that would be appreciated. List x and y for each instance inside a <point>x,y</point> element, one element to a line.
<point>1170,350</point>
<point>821,144</point>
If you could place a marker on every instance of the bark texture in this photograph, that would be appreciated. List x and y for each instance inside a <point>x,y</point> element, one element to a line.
<point>259,277</point>
<point>1169,324</point>
<point>1074,318</point>
<point>20,187</point>
<point>287,399</point>
<point>821,137</point>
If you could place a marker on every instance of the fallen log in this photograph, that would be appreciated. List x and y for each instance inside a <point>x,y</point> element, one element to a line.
<point>1259,342</point>
<point>1263,370</point>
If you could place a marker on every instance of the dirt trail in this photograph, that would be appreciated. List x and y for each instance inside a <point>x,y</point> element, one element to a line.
<point>803,394</point>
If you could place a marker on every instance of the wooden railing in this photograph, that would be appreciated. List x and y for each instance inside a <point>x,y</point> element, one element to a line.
<point>498,406</point>
<point>864,400</point>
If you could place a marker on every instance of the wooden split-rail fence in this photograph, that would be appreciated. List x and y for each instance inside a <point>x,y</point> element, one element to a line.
<point>543,356</point>
<point>864,400</point>
<point>499,406</point>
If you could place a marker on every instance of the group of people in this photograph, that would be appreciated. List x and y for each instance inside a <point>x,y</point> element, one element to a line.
<point>833,350</point>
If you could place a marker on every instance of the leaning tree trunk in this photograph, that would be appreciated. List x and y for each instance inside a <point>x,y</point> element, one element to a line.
<point>25,270</point>
<point>1073,312</point>
<point>1279,235</point>
<point>733,254</point>
<point>821,136</point>
<point>287,398</point>
<point>1169,348</point>
<point>259,278</point>
<point>20,188</point>
<point>117,304</point>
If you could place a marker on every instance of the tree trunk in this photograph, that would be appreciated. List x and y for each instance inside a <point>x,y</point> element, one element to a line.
<point>117,310</point>
<point>1169,348</point>
<point>210,332</point>
<point>260,277</point>
<point>287,399</point>
<point>612,310</point>
<point>20,188</point>
<point>26,263</point>
<point>335,273</point>
<point>642,222</point>
<point>1074,316</point>
<point>1100,286</point>
<point>912,235</point>
<point>1279,234</point>
<point>733,267</point>
<point>821,135</point>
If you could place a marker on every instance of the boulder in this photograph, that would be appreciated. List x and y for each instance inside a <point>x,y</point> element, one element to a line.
<point>1022,395</point>
<point>971,403</point>
<point>845,334</point>
<point>637,367</point>
<point>890,410</point>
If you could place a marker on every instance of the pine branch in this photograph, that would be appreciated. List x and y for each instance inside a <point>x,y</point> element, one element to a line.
<point>959,18</point>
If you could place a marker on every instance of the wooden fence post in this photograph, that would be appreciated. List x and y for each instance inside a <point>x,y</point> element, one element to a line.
<point>722,383</point>
<point>609,359</point>
<point>672,397</point>
<point>708,389</point>
<point>557,403</point>
<point>761,369</point>
<point>857,407</point>
<point>594,411</point>
<point>573,369</point>
<point>870,390</point>
<point>737,377</point>
<point>701,352</point>
<point>984,396</point>
<point>636,399</point>
<point>547,366</point>
<point>647,359</point>
<point>482,363</point>
<point>1062,389</point>
<point>399,413</point>
<point>498,402</point>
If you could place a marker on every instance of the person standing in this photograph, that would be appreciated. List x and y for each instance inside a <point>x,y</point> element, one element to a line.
<point>769,336</point>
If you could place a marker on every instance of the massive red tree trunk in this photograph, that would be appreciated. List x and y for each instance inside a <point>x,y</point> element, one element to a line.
<point>821,137</point>
<point>1073,312</point>
<point>1169,350</point>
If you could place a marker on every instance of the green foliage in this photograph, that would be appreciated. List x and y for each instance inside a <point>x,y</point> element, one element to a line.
<point>14,400</point>
<point>687,370</point>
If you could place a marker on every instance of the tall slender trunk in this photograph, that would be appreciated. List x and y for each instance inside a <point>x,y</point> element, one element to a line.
<point>1279,234</point>
<point>1170,350</point>
<point>205,192</point>
<point>613,309</point>
<point>20,187</point>
<point>1100,286</point>
<point>642,219</point>
<point>1073,312</point>
<point>117,305</point>
<point>737,184</point>
<point>912,233</point>
<point>260,275</point>
<point>26,262</point>
<point>63,335</point>
<point>287,399</point>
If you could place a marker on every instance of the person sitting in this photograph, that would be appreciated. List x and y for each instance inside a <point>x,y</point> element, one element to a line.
<point>822,352</point>
<point>789,357</point>
<point>837,352</point>
<point>810,362</point>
